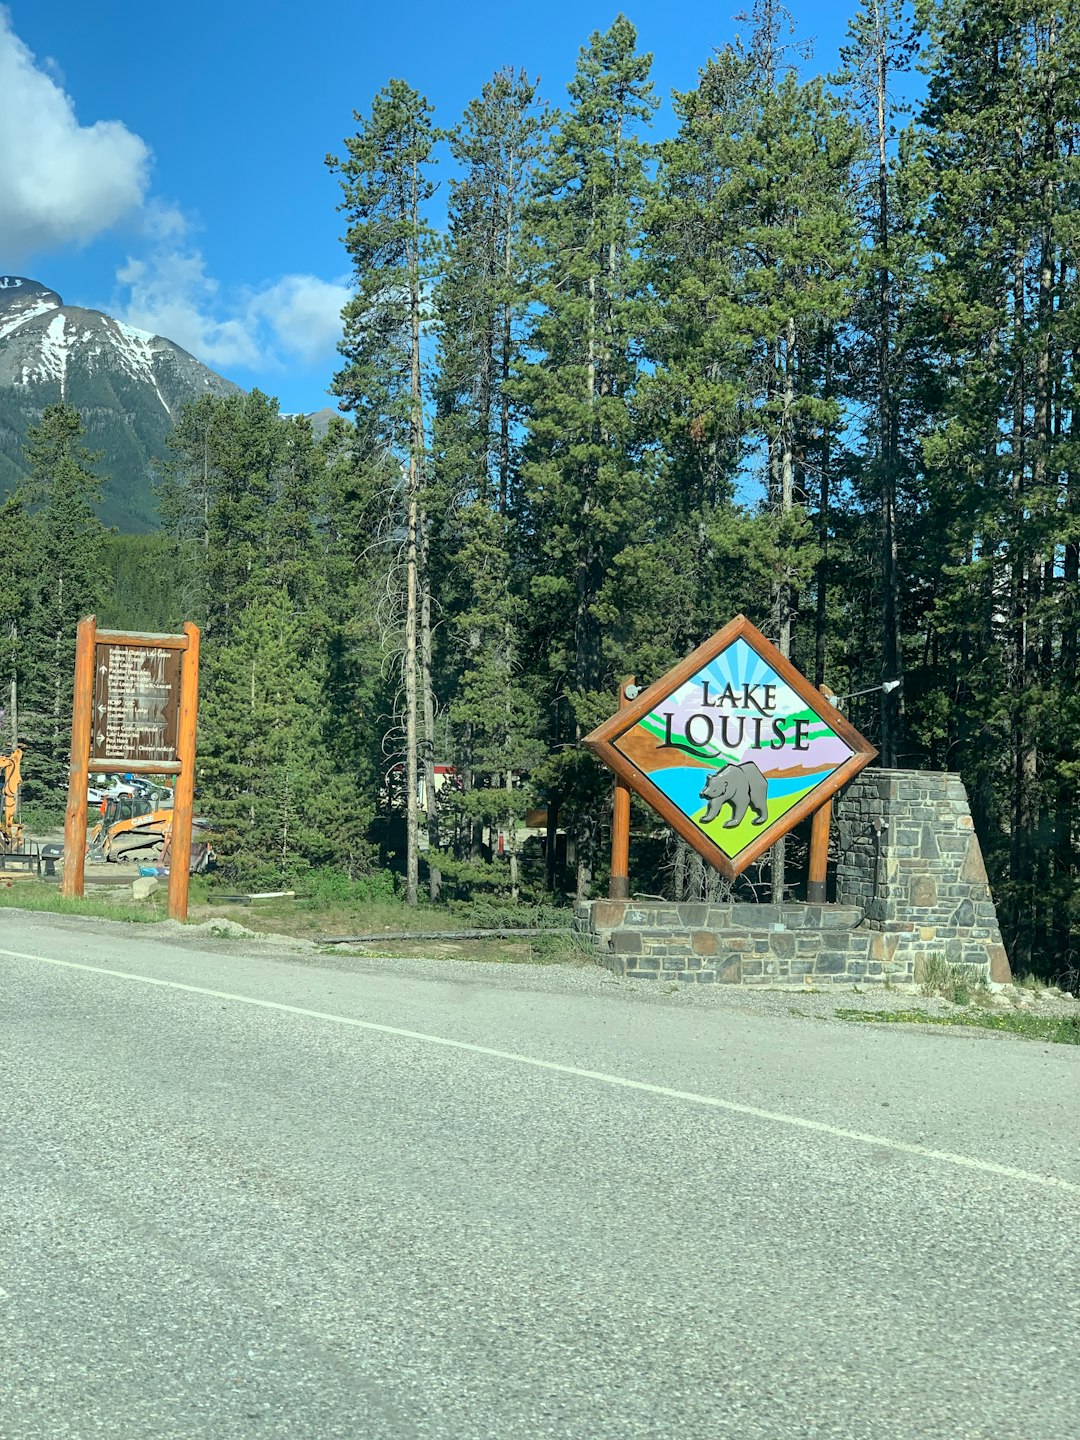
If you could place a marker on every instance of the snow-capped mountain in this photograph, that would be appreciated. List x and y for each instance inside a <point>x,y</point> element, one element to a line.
<point>127,384</point>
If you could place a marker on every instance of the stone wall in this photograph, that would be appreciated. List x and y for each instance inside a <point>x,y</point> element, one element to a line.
<point>731,944</point>
<point>910,860</point>
<point>910,884</point>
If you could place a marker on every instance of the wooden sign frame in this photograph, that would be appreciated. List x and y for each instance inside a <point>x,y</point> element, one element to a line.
<point>602,743</point>
<point>88,638</point>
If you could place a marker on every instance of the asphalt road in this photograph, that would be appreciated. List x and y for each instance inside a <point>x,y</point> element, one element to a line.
<point>276,1196</point>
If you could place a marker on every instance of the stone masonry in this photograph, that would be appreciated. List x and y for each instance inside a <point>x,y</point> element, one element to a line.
<point>910,884</point>
<point>910,860</point>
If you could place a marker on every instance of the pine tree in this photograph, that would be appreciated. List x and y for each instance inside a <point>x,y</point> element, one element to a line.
<point>384,179</point>
<point>880,47</point>
<point>583,497</point>
<point>68,549</point>
<point>702,557</point>
<point>264,775</point>
<point>218,499</point>
<point>788,193</point>
<point>362,595</point>
<point>19,569</point>
<point>481,303</point>
<point>997,136</point>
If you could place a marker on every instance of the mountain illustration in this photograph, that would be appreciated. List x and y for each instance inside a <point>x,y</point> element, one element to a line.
<point>128,385</point>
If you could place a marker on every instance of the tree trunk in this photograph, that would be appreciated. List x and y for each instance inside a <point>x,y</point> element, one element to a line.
<point>892,703</point>
<point>414,557</point>
<point>412,818</point>
<point>821,616</point>
<point>428,696</point>
<point>784,597</point>
<point>551,843</point>
<point>1024,754</point>
<point>14,685</point>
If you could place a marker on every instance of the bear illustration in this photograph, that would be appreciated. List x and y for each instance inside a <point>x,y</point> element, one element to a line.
<point>739,786</point>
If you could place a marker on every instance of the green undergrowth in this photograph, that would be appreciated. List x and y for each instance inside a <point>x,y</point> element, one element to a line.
<point>42,819</point>
<point>46,898</point>
<point>1057,1029</point>
<point>332,906</point>
<point>312,921</point>
<point>328,903</point>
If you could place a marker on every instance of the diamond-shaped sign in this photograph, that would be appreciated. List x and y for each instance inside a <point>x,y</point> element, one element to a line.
<point>733,747</point>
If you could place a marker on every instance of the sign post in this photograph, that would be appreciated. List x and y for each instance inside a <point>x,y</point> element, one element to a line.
<point>135,710</point>
<point>820,825</point>
<point>184,791</point>
<point>71,886</point>
<point>619,884</point>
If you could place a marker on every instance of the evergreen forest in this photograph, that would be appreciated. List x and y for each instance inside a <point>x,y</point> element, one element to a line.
<point>810,358</point>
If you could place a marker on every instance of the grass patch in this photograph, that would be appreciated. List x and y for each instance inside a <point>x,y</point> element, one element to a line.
<point>46,898</point>
<point>1057,1029</point>
<point>330,904</point>
<point>959,984</point>
<point>543,950</point>
<point>335,907</point>
<point>572,949</point>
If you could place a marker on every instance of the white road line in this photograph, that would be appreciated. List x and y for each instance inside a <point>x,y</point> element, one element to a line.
<point>799,1122</point>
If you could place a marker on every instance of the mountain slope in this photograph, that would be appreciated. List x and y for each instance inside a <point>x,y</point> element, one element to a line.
<point>127,384</point>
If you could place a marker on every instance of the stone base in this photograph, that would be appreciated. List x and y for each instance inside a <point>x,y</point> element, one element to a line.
<point>910,885</point>
<point>910,858</point>
<point>734,944</point>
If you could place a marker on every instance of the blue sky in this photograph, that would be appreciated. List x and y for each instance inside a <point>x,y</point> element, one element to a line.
<point>166,162</point>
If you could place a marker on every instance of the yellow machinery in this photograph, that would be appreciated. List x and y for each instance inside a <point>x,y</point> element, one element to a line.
<point>134,829</point>
<point>11,829</point>
<point>127,826</point>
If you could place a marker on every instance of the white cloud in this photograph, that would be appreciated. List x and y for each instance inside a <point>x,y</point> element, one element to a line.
<point>297,317</point>
<point>171,294</point>
<point>304,314</point>
<point>61,183</point>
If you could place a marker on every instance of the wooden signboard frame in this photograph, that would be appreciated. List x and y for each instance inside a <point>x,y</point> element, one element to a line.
<point>180,721</point>
<point>602,743</point>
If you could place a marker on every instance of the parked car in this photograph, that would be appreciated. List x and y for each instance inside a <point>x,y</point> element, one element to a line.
<point>109,787</point>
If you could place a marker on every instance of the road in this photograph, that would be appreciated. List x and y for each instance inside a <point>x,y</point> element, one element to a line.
<point>250,1193</point>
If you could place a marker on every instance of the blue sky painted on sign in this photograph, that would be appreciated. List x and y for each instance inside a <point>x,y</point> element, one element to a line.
<point>166,162</point>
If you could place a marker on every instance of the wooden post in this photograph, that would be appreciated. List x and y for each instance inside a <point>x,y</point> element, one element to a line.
<point>820,825</point>
<point>184,792</point>
<point>82,716</point>
<point>619,884</point>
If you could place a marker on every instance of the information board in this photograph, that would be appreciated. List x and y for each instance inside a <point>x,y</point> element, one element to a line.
<point>136,703</point>
<point>134,707</point>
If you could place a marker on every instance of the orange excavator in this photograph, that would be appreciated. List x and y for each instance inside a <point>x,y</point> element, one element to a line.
<point>11,829</point>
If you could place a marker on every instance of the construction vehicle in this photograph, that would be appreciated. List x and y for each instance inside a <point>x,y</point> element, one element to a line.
<point>127,825</point>
<point>133,828</point>
<point>11,828</point>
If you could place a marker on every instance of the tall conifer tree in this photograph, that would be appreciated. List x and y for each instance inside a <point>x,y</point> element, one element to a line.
<point>880,48</point>
<point>63,489</point>
<point>583,496</point>
<point>386,186</point>
<point>998,136</point>
<point>481,301</point>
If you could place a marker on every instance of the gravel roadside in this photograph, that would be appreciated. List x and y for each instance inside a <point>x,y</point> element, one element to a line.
<point>227,937</point>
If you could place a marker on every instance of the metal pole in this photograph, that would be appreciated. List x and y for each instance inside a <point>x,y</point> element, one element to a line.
<point>619,884</point>
<point>82,715</point>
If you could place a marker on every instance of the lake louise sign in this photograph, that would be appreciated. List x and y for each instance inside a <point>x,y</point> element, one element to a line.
<point>733,747</point>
